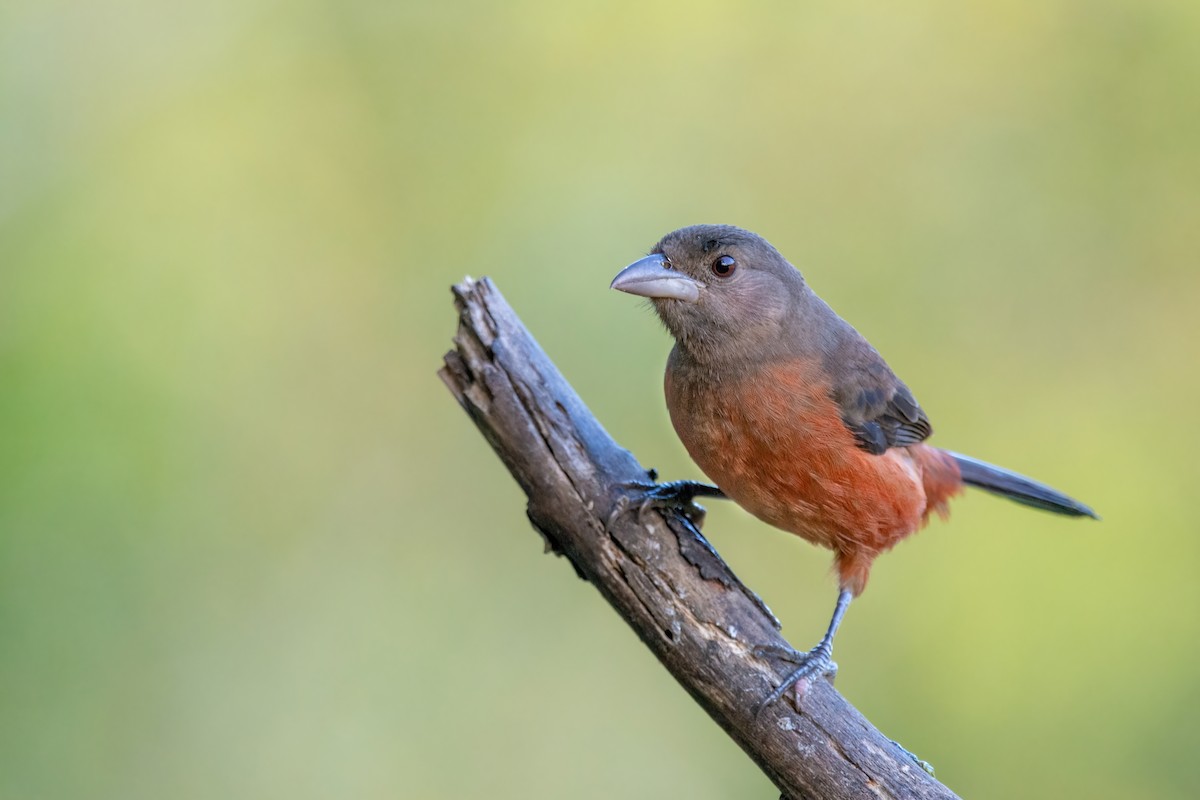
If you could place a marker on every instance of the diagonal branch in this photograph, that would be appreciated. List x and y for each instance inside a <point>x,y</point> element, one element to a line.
<point>658,572</point>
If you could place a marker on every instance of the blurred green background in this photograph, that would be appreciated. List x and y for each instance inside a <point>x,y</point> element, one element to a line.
<point>249,546</point>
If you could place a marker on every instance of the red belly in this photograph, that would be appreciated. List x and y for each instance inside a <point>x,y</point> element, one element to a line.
<point>775,443</point>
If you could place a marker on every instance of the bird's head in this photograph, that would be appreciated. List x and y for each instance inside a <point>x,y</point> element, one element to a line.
<point>722,292</point>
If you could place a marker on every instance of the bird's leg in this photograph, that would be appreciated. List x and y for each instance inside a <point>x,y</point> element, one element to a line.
<point>817,661</point>
<point>675,496</point>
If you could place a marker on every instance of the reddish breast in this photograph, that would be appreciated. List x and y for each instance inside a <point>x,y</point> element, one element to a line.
<point>774,441</point>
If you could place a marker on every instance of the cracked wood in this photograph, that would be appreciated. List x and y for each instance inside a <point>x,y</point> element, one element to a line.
<point>656,571</point>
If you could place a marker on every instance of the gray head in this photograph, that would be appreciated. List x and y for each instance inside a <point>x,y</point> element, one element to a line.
<point>723,292</point>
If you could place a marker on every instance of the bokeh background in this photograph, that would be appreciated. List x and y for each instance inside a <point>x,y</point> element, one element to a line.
<point>249,546</point>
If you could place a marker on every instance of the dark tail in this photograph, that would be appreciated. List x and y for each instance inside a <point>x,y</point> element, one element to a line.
<point>1017,487</point>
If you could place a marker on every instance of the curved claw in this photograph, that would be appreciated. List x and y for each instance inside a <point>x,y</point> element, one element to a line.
<point>783,652</point>
<point>676,496</point>
<point>626,502</point>
<point>620,507</point>
<point>815,663</point>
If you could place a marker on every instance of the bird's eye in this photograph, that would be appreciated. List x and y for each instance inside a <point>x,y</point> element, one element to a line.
<point>724,266</point>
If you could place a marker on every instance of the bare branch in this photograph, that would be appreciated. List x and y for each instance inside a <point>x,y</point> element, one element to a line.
<point>659,573</point>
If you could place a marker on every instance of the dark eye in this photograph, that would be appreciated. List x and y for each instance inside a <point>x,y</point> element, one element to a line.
<point>724,266</point>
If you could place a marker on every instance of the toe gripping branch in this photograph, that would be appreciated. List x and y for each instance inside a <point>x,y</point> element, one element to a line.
<point>816,662</point>
<point>813,664</point>
<point>676,496</point>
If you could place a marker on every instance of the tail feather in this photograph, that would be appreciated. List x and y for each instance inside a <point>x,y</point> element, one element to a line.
<point>1017,487</point>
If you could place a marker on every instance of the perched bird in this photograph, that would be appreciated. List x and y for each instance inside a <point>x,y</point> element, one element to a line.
<point>794,416</point>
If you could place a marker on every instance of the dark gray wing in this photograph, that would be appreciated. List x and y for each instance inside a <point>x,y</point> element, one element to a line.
<point>875,405</point>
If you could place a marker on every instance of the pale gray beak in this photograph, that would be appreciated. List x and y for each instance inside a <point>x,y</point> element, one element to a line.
<point>651,277</point>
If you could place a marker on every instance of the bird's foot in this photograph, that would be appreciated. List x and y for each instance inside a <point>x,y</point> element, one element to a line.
<point>678,496</point>
<point>813,664</point>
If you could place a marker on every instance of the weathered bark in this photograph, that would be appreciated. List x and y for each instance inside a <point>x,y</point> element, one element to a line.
<point>659,574</point>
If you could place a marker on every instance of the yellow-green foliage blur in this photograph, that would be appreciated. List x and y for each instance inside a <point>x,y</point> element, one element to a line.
<point>250,547</point>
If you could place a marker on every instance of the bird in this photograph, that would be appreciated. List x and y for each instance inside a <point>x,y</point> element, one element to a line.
<point>795,417</point>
